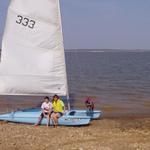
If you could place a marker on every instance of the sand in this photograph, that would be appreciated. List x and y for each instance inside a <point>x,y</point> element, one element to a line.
<point>119,129</point>
<point>128,133</point>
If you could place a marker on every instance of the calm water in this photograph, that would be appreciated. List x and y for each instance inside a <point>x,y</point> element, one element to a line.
<point>119,82</point>
<point>112,77</point>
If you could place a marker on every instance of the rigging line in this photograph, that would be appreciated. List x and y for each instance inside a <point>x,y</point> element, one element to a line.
<point>69,76</point>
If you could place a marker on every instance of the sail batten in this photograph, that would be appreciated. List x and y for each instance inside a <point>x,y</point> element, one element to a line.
<point>32,58</point>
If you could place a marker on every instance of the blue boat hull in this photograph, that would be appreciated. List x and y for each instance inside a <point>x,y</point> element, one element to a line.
<point>92,114</point>
<point>31,116</point>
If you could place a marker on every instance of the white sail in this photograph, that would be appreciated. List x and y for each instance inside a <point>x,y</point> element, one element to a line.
<point>32,60</point>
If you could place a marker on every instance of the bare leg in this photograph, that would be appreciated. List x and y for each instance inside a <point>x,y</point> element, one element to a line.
<point>52,116</point>
<point>55,119</point>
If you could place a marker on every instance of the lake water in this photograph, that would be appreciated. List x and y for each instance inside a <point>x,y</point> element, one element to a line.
<point>114,78</point>
<point>118,81</point>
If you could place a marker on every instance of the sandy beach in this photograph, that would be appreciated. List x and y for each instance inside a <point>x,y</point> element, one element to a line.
<point>122,133</point>
<point>117,129</point>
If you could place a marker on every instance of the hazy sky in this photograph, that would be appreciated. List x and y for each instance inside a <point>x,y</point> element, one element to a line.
<point>102,23</point>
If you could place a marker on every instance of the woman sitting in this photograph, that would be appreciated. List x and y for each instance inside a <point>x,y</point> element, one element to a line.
<point>59,108</point>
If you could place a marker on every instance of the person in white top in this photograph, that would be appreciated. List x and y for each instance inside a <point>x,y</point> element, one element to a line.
<point>47,109</point>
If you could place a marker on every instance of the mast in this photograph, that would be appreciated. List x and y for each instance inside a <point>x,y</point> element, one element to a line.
<point>68,103</point>
<point>67,89</point>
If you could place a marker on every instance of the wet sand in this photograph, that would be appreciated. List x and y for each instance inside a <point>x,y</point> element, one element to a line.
<point>106,134</point>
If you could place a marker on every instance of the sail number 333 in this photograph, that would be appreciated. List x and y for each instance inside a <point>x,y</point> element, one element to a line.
<point>25,21</point>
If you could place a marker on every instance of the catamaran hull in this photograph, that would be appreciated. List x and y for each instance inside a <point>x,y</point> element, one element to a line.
<point>92,114</point>
<point>31,116</point>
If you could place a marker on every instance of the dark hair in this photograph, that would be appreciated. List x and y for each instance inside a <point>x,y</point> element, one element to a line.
<point>46,97</point>
<point>56,96</point>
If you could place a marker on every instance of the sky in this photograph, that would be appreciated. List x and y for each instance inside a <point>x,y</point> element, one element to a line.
<point>101,24</point>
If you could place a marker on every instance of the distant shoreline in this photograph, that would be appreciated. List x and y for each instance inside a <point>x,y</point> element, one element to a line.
<point>107,50</point>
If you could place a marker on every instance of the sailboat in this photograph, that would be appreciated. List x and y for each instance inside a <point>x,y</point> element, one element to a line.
<point>33,59</point>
